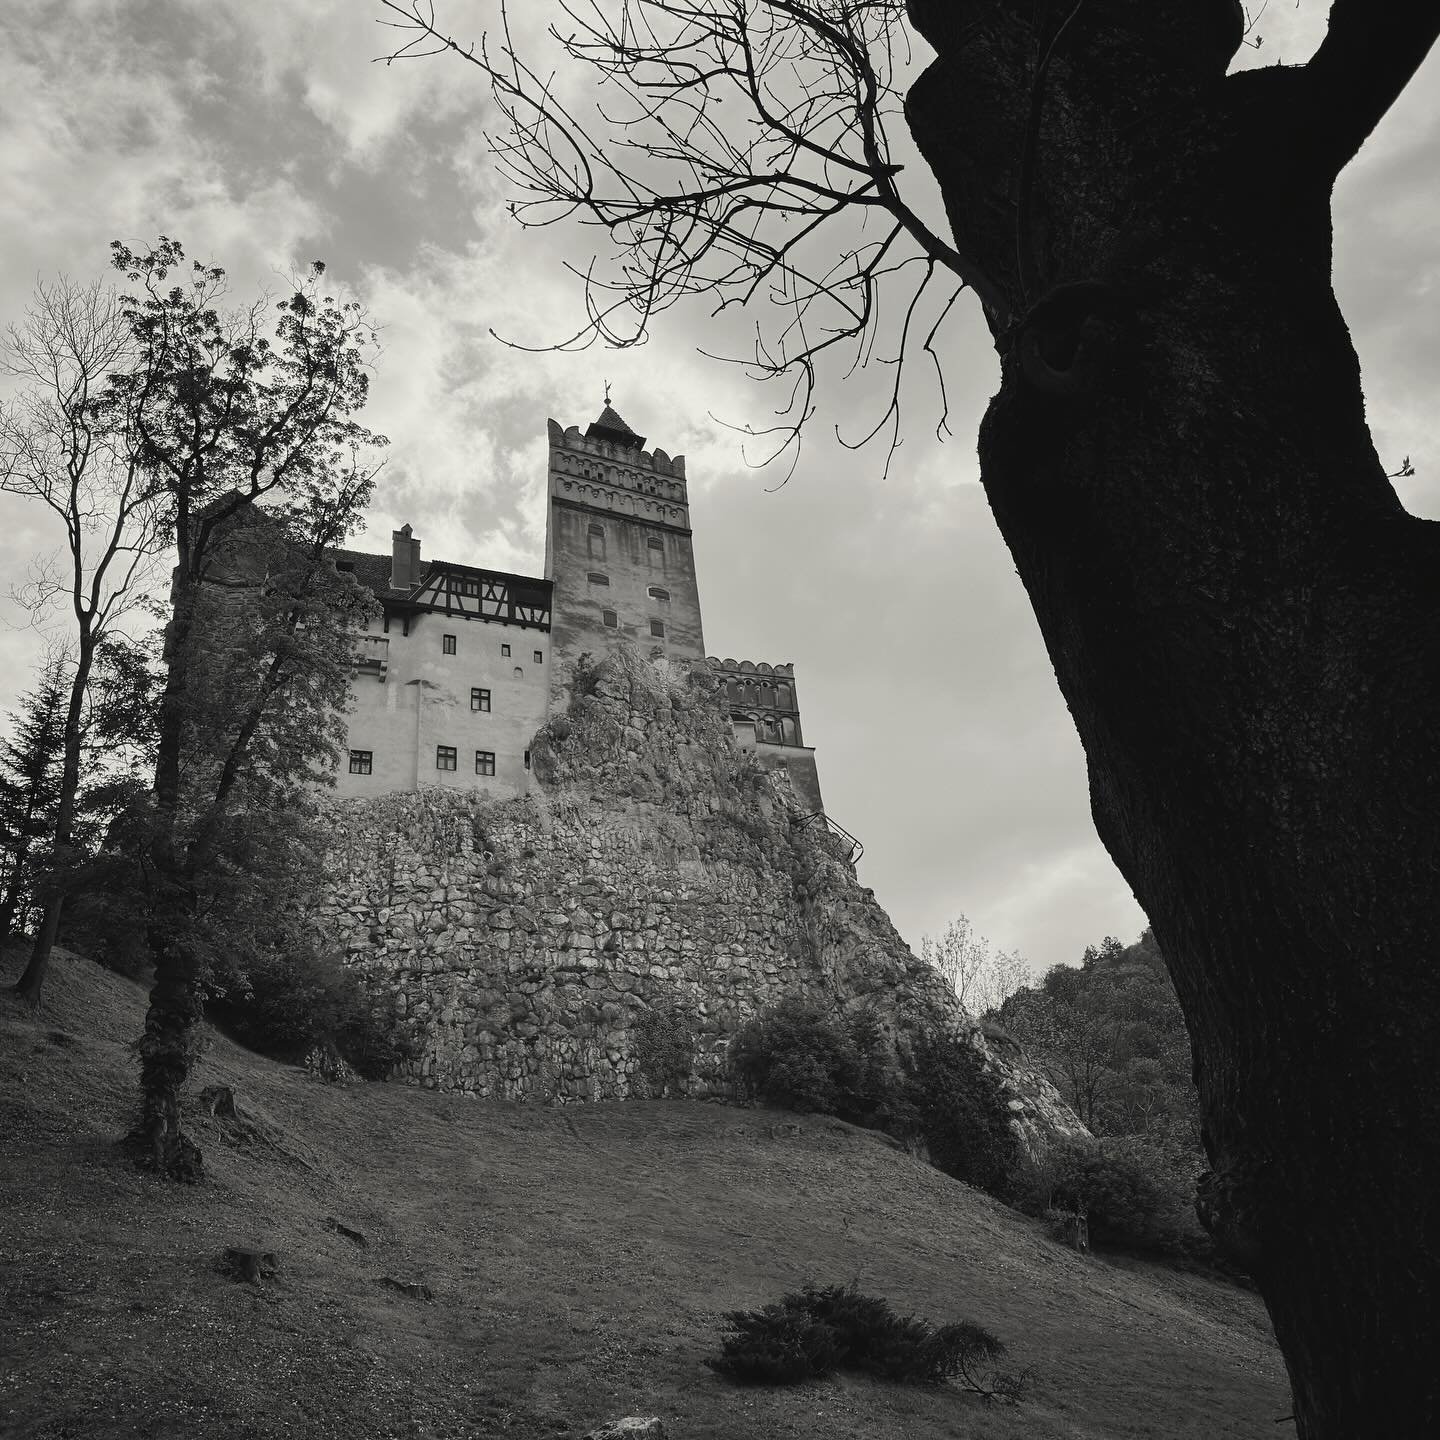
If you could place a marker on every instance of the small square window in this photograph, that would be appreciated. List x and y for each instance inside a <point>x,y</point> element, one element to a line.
<point>657,627</point>
<point>360,762</point>
<point>611,619</point>
<point>444,757</point>
<point>447,644</point>
<point>539,657</point>
<point>480,700</point>
<point>504,650</point>
<point>485,762</point>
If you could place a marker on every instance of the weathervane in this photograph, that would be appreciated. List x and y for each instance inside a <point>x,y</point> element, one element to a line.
<point>607,392</point>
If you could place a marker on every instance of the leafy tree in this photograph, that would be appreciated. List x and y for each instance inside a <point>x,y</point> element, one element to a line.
<point>981,978</point>
<point>1111,1037</point>
<point>1238,609</point>
<point>63,447</point>
<point>251,438</point>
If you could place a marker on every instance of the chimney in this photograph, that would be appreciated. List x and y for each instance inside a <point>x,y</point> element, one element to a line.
<point>404,559</point>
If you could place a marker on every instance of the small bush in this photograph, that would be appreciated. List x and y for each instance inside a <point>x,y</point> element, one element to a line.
<point>796,1056</point>
<point>286,1006</point>
<point>960,1111</point>
<point>1128,1205</point>
<point>813,1332</point>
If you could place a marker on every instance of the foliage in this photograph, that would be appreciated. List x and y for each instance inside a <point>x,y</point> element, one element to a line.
<point>799,1056</point>
<point>664,1037</point>
<point>30,760</point>
<point>1111,1037</point>
<point>813,1332</point>
<point>981,978</point>
<point>937,1091</point>
<point>960,1111</point>
<point>1128,1199</point>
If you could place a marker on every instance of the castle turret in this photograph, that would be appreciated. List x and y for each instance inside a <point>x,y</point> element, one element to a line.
<point>618,544</point>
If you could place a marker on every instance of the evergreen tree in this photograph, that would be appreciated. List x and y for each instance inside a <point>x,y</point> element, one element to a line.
<point>31,758</point>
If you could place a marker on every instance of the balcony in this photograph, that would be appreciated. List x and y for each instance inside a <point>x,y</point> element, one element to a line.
<point>371,655</point>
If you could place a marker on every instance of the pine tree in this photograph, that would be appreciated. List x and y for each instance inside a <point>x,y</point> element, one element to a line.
<point>30,765</point>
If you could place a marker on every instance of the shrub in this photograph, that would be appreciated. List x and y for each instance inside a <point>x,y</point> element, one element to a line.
<point>813,1332</point>
<point>796,1056</point>
<point>961,1113</point>
<point>1127,1203</point>
<point>288,1005</point>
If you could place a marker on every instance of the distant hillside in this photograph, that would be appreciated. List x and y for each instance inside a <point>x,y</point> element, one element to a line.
<point>578,1262</point>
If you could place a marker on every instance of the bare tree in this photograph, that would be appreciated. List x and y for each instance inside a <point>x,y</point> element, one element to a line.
<point>61,448</point>
<point>982,978</point>
<point>1241,615</point>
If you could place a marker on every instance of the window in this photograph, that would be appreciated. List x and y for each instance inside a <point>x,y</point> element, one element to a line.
<point>444,757</point>
<point>480,700</point>
<point>527,759</point>
<point>595,541</point>
<point>345,567</point>
<point>656,593</point>
<point>447,644</point>
<point>360,762</point>
<point>596,578</point>
<point>485,762</point>
<point>657,627</point>
<point>504,650</point>
<point>539,657</point>
<point>611,619</point>
<point>519,672</point>
<point>655,549</point>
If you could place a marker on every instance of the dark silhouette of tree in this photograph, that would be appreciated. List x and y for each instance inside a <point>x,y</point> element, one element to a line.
<point>249,430</point>
<point>64,448</point>
<point>31,758</point>
<point>1244,621</point>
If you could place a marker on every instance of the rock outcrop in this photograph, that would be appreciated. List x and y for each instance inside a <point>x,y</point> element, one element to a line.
<point>656,882</point>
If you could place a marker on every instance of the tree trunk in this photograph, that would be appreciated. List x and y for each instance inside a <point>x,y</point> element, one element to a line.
<point>32,980</point>
<point>1246,627</point>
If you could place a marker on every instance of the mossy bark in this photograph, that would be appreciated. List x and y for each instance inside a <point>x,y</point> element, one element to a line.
<point>1244,621</point>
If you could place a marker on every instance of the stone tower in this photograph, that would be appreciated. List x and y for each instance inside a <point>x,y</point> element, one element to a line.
<point>618,546</point>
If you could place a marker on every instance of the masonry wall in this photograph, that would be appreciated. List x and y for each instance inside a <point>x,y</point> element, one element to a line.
<point>655,865</point>
<point>423,701</point>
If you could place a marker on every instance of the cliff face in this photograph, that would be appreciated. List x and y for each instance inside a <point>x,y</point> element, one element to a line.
<point>657,871</point>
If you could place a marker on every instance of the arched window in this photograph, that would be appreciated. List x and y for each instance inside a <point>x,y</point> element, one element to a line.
<point>596,578</point>
<point>788,735</point>
<point>595,541</point>
<point>655,592</point>
<point>519,672</point>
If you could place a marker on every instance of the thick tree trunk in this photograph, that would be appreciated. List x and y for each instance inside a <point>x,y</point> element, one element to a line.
<point>1246,627</point>
<point>31,983</point>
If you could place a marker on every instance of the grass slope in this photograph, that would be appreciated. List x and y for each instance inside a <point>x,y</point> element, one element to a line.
<point>579,1261</point>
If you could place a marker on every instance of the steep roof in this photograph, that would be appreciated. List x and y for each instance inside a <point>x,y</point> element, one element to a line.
<point>612,428</point>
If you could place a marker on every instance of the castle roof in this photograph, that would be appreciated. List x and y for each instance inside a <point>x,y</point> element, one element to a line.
<point>612,428</point>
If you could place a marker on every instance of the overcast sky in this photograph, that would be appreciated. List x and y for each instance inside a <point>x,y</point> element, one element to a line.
<point>262,136</point>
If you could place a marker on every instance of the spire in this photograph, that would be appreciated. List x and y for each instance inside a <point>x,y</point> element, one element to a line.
<point>612,428</point>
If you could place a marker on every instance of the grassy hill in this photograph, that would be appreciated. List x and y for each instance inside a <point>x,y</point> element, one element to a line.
<point>578,1262</point>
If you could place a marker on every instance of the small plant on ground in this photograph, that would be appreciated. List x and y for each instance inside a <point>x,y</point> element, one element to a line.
<point>813,1332</point>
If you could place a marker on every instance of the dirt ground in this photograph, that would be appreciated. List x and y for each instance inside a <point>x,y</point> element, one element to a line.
<point>565,1266</point>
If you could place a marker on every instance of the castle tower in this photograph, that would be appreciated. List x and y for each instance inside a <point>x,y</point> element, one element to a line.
<point>617,546</point>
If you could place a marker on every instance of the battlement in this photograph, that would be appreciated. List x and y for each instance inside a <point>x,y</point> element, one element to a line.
<point>606,469</point>
<point>749,667</point>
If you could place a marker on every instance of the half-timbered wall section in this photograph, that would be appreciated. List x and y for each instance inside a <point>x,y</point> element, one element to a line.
<point>765,713</point>
<point>453,679</point>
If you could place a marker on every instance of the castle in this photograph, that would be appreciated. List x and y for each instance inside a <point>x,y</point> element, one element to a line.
<point>464,664</point>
